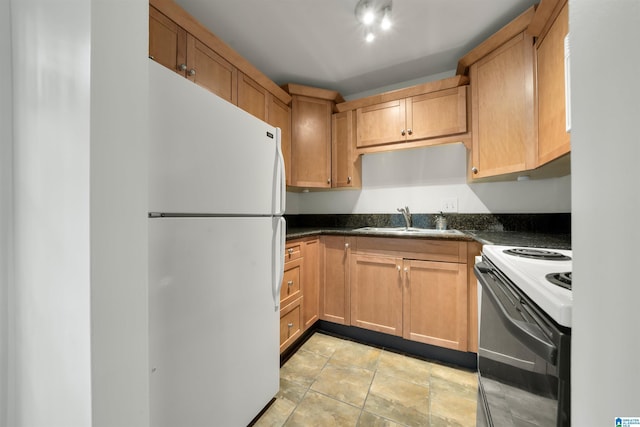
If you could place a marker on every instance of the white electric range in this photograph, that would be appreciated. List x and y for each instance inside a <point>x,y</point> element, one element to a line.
<point>524,343</point>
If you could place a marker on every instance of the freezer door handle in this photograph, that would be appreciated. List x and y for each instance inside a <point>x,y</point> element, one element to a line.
<point>278,266</point>
<point>281,177</point>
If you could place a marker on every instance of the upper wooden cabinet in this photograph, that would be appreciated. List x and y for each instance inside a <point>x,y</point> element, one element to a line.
<point>311,110</point>
<point>210,70</point>
<point>175,48</point>
<point>279,115</point>
<point>252,97</point>
<point>346,164</point>
<point>553,138</point>
<point>182,44</point>
<point>502,87</point>
<point>167,42</point>
<point>430,115</point>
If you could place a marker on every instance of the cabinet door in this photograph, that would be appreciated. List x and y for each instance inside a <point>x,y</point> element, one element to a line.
<point>381,124</point>
<point>435,303</point>
<point>252,97</point>
<point>502,85</point>
<point>437,114</point>
<point>279,115</point>
<point>311,283</point>
<point>553,138</point>
<point>376,293</point>
<point>334,286</point>
<point>311,142</point>
<point>167,42</point>
<point>346,165</point>
<point>210,70</point>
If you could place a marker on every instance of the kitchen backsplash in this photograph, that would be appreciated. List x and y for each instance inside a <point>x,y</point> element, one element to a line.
<point>539,223</point>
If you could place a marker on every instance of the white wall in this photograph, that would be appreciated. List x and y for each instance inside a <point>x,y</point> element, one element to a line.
<point>51,353</point>
<point>6,195</point>
<point>606,204</point>
<point>118,212</point>
<point>421,178</point>
<point>79,321</point>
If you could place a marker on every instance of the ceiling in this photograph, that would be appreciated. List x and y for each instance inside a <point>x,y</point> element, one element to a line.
<point>320,43</point>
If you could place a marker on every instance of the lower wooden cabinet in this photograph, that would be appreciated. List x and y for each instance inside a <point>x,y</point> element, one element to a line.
<point>290,323</point>
<point>416,289</point>
<point>299,292</point>
<point>419,289</point>
<point>291,289</point>
<point>311,280</point>
<point>334,282</point>
<point>376,293</point>
<point>435,303</point>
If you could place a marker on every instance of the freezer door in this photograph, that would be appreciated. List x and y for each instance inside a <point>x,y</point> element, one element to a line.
<point>207,155</point>
<point>213,329</point>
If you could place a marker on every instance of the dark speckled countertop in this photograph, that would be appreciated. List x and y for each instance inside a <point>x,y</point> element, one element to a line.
<point>507,238</point>
<point>534,230</point>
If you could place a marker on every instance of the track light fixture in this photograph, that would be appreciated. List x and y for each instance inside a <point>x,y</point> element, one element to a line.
<point>373,15</point>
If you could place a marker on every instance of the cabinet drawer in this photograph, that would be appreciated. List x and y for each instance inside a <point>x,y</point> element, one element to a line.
<point>290,325</point>
<point>291,289</point>
<point>292,251</point>
<point>422,249</point>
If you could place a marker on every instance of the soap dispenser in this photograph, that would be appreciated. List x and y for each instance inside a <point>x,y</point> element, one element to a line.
<point>441,222</point>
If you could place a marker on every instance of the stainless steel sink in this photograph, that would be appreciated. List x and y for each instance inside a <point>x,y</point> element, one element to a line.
<point>405,230</point>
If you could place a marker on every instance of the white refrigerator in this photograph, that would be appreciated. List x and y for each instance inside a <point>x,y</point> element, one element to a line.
<point>216,254</point>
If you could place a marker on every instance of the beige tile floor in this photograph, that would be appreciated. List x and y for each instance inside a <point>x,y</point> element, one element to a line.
<point>335,382</point>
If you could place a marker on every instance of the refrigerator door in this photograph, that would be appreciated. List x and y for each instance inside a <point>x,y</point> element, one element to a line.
<point>213,330</point>
<point>207,155</point>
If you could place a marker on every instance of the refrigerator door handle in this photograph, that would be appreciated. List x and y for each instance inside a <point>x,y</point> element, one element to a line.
<point>281,177</point>
<point>278,252</point>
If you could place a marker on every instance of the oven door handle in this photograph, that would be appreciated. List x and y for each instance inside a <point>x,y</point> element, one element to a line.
<point>527,332</point>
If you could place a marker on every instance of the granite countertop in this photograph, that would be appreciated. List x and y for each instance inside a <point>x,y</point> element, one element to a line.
<point>507,238</point>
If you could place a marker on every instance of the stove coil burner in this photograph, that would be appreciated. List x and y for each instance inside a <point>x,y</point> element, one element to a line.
<point>560,279</point>
<point>537,254</point>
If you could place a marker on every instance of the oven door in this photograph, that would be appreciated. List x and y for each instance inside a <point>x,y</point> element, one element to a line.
<point>518,378</point>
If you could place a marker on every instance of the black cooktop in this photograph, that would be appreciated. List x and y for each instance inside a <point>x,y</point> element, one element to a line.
<point>560,279</point>
<point>537,254</point>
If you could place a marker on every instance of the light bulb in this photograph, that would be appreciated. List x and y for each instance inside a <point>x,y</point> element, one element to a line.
<point>368,17</point>
<point>385,24</point>
<point>369,36</point>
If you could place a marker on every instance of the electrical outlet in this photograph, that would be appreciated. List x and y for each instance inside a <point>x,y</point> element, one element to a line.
<point>449,205</point>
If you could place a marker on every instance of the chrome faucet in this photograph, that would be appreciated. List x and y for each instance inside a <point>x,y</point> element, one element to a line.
<point>407,216</point>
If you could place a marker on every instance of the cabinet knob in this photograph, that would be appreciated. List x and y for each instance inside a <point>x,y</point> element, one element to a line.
<point>346,246</point>
<point>192,72</point>
<point>403,132</point>
<point>290,251</point>
<point>290,324</point>
<point>406,269</point>
<point>348,180</point>
<point>474,170</point>
<point>290,283</point>
<point>410,132</point>
<point>398,267</point>
<point>182,67</point>
<point>328,180</point>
